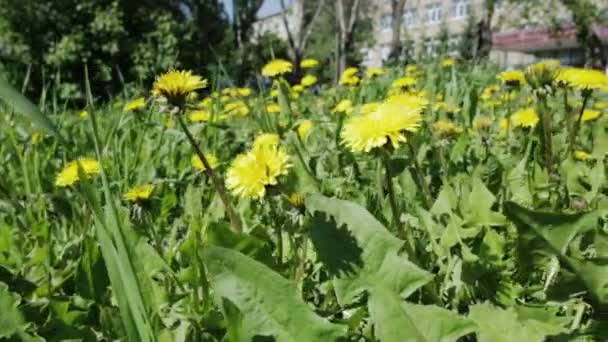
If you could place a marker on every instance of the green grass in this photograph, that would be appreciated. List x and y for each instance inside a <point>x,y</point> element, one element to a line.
<point>464,236</point>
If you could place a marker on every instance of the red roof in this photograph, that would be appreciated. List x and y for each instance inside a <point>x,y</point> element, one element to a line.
<point>537,39</point>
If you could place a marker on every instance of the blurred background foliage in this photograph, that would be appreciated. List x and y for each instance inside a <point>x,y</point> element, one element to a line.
<point>45,44</point>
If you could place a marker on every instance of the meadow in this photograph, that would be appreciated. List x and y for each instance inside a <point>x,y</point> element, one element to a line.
<point>449,201</point>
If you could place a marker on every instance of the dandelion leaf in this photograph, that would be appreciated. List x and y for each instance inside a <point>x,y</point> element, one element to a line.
<point>365,258</point>
<point>553,232</point>
<point>268,304</point>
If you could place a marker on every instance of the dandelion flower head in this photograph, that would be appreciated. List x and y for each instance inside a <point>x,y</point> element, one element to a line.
<point>70,175</point>
<point>139,193</point>
<point>175,85</point>
<point>525,118</point>
<point>250,173</point>
<point>277,67</point>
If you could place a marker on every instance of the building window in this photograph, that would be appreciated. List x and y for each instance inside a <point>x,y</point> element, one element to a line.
<point>385,22</point>
<point>433,13</point>
<point>461,8</point>
<point>409,17</point>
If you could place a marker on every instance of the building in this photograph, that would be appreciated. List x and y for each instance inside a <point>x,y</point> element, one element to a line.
<point>522,33</point>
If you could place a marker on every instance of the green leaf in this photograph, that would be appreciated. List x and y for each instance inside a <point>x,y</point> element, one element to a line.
<point>555,232</point>
<point>518,183</point>
<point>23,106</point>
<point>363,256</point>
<point>364,253</point>
<point>477,209</point>
<point>401,321</point>
<point>269,304</point>
<point>11,320</point>
<point>504,325</point>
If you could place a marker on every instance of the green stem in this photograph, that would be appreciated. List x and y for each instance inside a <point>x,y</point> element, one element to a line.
<point>410,245</point>
<point>426,192</point>
<point>546,136</point>
<point>235,222</point>
<point>279,231</point>
<point>577,124</point>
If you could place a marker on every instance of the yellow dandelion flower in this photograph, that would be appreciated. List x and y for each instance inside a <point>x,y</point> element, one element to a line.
<point>543,73</point>
<point>590,114</point>
<point>513,78</point>
<point>404,83</point>
<point>199,116</point>
<point>489,91</point>
<point>134,105</point>
<point>385,125</point>
<point>525,118</point>
<point>273,108</point>
<point>409,101</point>
<point>237,108</point>
<point>277,67</point>
<point>344,106</point>
<point>374,72</point>
<point>206,103</point>
<point>296,199</point>
<point>581,155</point>
<point>308,80</point>
<point>266,140</point>
<point>70,175</point>
<point>250,173</point>
<point>349,77</point>
<point>583,79</point>
<point>411,69</point>
<point>482,122</point>
<point>308,63</point>
<point>197,163</point>
<point>36,138</point>
<point>298,88</point>
<point>139,193</point>
<point>244,92</point>
<point>274,93</point>
<point>446,128</point>
<point>304,128</point>
<point>175,85</point>
<point>503,124</point>
<point>83,115</point>
<point>448,62</point>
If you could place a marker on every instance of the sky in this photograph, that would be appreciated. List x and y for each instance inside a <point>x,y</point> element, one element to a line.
<point>269,7</point>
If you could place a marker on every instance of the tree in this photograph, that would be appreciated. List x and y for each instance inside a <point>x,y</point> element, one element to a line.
<point>585,14</point>
<point>119,41</point>
<point>346,20</point>
<point>467,43</point>
<point>397,9</point>
<point>443,38</point>
<point>245,14</point>
<point>484,30</point>
<point>303,15</point>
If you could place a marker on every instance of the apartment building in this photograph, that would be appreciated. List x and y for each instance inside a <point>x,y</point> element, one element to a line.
<point>522,32</point>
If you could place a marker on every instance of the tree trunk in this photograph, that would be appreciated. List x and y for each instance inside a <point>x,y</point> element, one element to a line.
<point>397,8</point>
<point>299,32</point>
<point>484,31</point>
<point>345,32</point>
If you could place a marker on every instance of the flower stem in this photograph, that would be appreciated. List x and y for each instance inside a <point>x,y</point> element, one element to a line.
<point>235,222</point>
<point>577,125</point>
<point>426,192</point>
<point>390,189</point>
<point>546,136</point>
